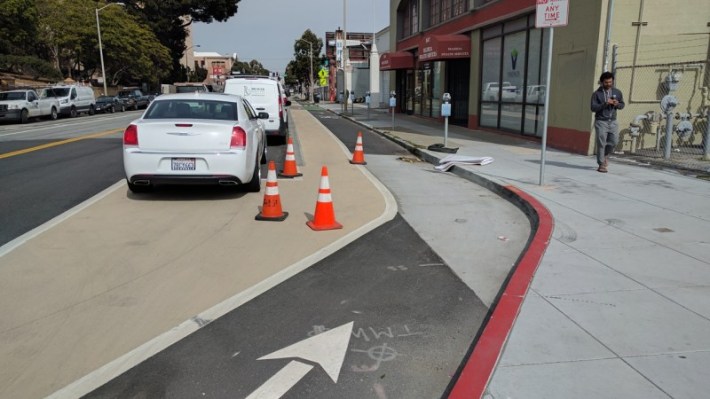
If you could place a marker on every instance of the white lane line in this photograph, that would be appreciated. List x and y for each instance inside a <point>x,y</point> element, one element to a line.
<point>36,130</point>
<point>19,241</point>
<point>113,369</point>
<point>431,264</point>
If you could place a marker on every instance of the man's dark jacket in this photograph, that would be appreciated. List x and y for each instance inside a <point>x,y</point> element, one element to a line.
<point>602,110</point>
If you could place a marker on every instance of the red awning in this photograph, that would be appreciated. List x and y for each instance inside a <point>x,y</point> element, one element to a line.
<point>444,47</point>
<point>396,60</point>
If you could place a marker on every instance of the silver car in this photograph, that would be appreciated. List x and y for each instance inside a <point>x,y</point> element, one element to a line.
<point>195,138</point>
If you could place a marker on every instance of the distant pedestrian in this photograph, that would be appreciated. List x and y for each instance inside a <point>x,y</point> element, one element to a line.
<point>605,101</point>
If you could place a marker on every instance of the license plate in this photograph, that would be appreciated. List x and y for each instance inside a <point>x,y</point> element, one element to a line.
<point>183,164</point>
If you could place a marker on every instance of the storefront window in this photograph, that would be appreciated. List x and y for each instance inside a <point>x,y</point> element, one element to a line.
<point>512,76</point>
<point>490,80</point>
<point>489,114</point>
<point>460,7</point>
<point>437,89</point>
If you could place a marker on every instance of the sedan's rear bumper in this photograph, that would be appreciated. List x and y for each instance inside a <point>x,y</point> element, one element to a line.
<point>228,167</point>
<point>223,180</point>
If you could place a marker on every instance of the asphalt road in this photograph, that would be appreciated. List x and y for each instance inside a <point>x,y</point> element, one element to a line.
<point>412,319</point>
<point>44,173</point>
<point>412,324</point>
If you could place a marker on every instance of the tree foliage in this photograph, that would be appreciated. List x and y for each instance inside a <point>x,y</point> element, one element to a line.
<point>18,27</point>
<point>142,42</point>
<point>252,67</point>
<point>29,65</point>
<point>300,67</point>
<point>170,18</point>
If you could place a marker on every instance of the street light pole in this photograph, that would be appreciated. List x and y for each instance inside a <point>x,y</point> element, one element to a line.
<point>310,52</point>
<point>101,50</point>
<point>187,67</point>
<point>345,54</point>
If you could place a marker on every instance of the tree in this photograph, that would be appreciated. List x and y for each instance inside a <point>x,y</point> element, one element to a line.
<point>170,18</point>
<point>132,53</point>
<point>252,67</point>
<point>300,67</point>
<point>18,27</point>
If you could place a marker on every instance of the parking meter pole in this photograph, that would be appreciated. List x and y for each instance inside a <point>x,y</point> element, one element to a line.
<point>393,104</point>
<point>446,112</point>
<point>543,154</point>
<point>706,142</point>
<point>669,135</point>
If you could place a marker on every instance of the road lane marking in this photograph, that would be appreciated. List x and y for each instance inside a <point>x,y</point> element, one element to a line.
<point>328,349</point>
<point>118,366</point>
<point>11,245</point>
<point>58,143</point>
<point>54,126</point>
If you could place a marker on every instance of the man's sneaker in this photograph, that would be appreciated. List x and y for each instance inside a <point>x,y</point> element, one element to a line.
<point>602,169</point>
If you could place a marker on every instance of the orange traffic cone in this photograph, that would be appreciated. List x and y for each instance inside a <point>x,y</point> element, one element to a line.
<point>324,218</point>
<point>359,154</point>
<point>271,210</point>
<point>290,168</point>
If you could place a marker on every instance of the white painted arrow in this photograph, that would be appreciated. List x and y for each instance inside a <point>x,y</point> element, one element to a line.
<point>328,349</point>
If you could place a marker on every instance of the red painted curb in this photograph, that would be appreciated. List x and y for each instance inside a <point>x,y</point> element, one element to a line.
<point>477,371</point>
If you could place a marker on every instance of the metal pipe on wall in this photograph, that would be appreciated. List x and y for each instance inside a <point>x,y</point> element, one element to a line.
<point>607,40</point>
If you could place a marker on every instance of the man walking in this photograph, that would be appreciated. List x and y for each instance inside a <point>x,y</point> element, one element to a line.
<point>605,101</point>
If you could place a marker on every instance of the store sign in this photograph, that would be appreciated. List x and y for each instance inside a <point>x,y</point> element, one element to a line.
<point>551,13</point>
<point>443,47</point>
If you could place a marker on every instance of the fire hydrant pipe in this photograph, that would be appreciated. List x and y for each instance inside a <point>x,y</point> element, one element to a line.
<point>669,135</point>
<point>706,139</point>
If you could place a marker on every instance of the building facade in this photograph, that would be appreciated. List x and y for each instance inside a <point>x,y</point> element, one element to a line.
<point>492,60</point>
<point>218,66</point>
<point>352,64</point>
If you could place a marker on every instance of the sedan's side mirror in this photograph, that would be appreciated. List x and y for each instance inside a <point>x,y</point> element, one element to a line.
<point>288,103</point>
<point>263,115</point>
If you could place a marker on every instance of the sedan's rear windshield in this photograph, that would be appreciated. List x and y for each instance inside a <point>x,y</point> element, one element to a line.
<point>189,89</point>
<point>105,98</point>
<point>192,109</point>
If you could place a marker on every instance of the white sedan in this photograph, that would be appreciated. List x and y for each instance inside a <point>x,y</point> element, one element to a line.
<point>195,138</point>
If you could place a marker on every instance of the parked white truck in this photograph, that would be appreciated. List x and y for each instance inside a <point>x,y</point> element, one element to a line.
<point>21,105</point>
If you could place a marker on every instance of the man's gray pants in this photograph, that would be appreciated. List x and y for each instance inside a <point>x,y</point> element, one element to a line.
<point>607,138</point>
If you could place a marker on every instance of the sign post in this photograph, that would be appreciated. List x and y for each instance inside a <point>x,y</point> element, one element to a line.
<point>549,14</point>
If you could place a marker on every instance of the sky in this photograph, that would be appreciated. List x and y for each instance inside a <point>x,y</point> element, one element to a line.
<point>266,30</point>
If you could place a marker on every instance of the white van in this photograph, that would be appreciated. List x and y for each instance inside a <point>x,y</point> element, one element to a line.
<point>265,95</point>
<point>73,99</point>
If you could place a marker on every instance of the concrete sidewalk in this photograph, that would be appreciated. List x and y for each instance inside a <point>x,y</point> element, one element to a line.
<point>620,304</point>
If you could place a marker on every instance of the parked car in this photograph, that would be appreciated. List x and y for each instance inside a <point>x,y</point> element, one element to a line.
<point>265,95</point>
<point>21,105</point>
<point>109,104</point>
<point>187,139</point>
<point>492,91</point>
<point>73,99</point>
<point>191,87</point>
<point>535,94</point>
<point>134,97</point>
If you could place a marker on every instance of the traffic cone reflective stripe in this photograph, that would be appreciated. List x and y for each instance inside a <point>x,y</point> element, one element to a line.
<point>359,154</point>
<point>324,217</point>
<point>271,209</point>
<point>290,167</point>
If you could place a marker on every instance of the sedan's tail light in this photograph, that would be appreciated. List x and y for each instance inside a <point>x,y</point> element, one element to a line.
<point>130,135</point>
<point>239,138</point>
